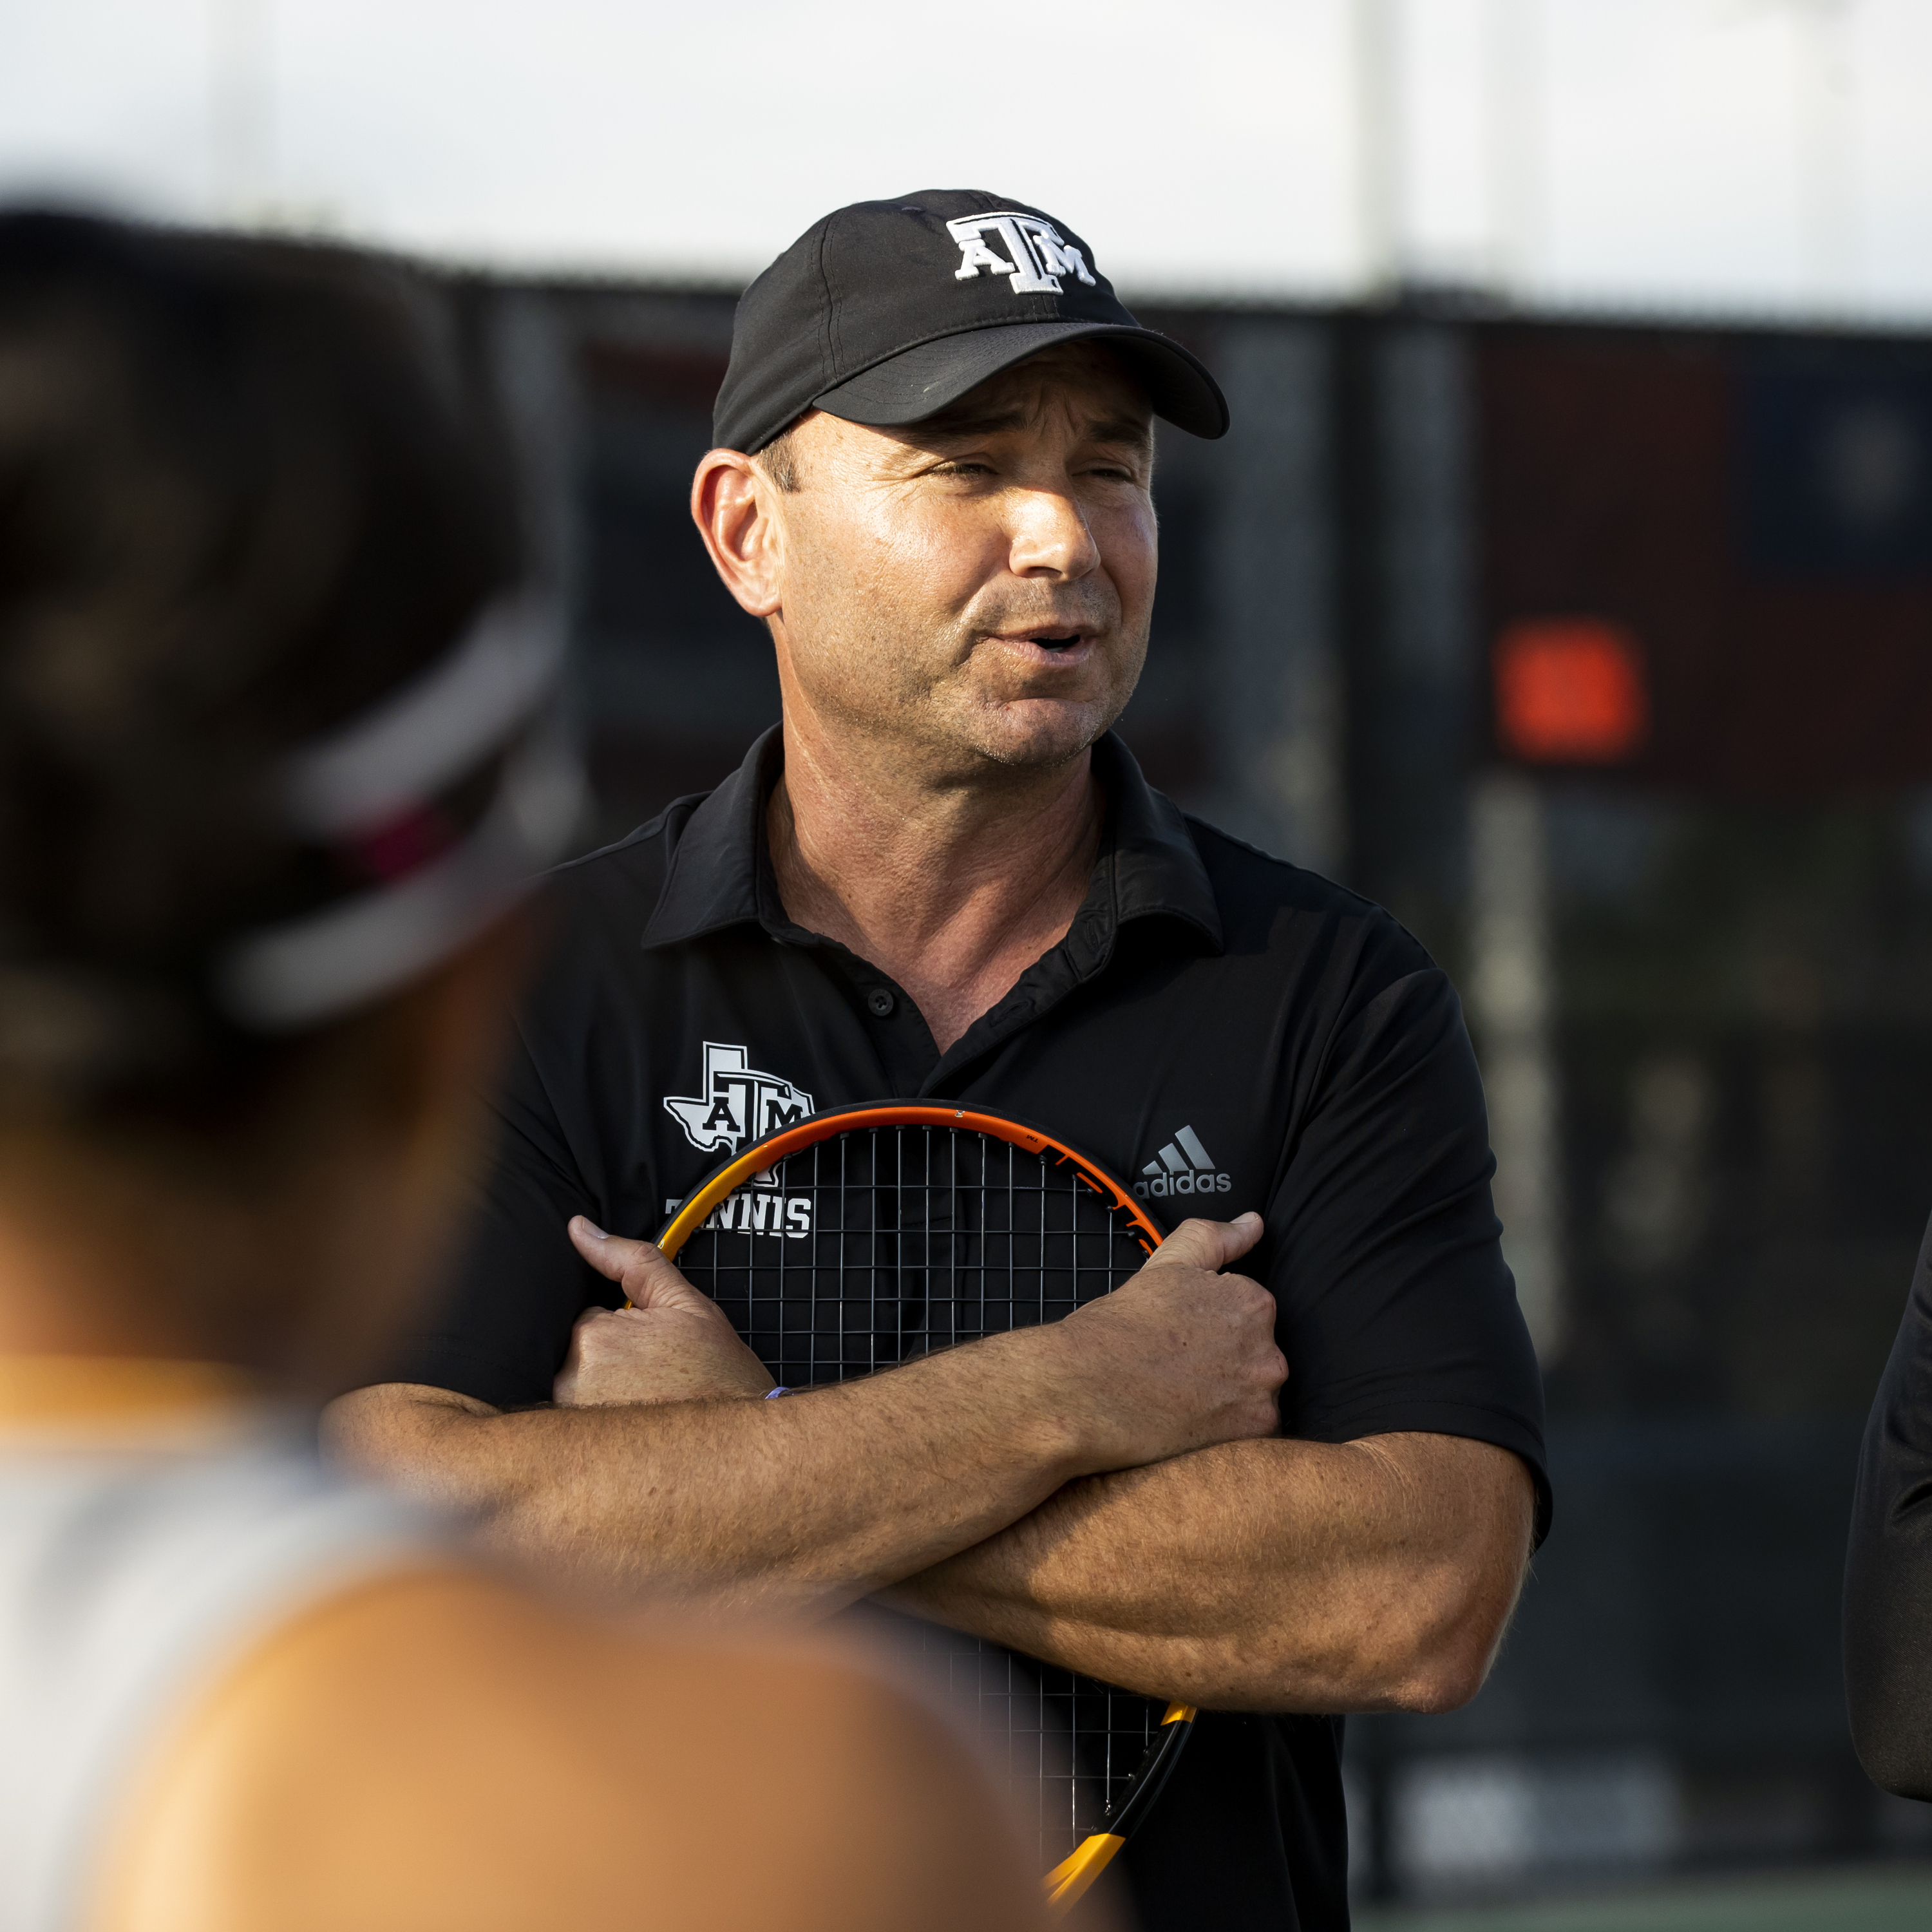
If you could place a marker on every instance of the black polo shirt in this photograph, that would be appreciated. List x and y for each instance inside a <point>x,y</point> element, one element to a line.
<point>1222,1029</point>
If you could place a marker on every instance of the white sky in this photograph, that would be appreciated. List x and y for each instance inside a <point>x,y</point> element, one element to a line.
<point>1698,153</point>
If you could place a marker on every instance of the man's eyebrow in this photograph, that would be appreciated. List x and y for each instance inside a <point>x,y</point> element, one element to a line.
<point>951,425</point>
<point>1136,429</point>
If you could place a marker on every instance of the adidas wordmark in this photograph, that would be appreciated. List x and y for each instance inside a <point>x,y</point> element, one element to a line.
<point>1183,1166</point>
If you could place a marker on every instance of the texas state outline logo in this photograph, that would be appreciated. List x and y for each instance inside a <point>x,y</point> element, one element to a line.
<point>738,1103</point>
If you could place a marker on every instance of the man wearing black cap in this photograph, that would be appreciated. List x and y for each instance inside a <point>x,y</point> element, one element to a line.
<point>941,876</point>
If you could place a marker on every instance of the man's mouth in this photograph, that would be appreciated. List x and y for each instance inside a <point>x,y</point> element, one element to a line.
<point>1054,638</point>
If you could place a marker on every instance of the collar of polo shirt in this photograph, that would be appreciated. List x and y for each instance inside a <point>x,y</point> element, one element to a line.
<point>721,875</point>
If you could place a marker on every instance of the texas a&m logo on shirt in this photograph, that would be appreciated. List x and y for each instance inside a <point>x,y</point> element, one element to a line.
<point>738,1104</point>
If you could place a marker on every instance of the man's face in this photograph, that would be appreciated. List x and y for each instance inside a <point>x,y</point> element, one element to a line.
<point>974,590</point>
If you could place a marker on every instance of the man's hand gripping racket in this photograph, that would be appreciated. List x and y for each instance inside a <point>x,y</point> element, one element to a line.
<point>669,1342</point>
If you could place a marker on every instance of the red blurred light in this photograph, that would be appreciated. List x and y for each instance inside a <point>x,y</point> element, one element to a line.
<point>1571,690</point>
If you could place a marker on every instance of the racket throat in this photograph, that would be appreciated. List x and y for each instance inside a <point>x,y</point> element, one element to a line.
<point>1069,1880</point>
<point>1143,1789</point>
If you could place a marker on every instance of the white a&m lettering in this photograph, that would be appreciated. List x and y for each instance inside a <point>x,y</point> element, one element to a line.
<point>1040,255</point>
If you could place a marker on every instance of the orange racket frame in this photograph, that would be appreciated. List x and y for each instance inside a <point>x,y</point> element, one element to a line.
<point>693,1214</point>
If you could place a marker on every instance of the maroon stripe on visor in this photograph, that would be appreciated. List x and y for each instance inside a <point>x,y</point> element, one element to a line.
<point>493,698</point>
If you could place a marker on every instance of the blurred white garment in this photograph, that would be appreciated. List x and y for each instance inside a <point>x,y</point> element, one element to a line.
<point>137,1567</point>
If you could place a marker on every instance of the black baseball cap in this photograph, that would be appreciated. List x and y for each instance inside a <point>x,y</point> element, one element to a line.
<point>885,312</point>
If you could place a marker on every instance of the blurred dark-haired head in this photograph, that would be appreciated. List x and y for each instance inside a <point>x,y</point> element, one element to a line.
<point>271,736</point>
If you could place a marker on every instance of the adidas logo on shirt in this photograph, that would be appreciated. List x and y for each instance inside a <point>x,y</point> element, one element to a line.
<point>1183,1166</point>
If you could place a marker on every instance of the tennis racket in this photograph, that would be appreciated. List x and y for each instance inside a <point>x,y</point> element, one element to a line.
<point>868,1236</point>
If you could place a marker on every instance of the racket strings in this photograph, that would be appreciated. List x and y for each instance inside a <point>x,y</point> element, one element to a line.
<point>885,1243</point>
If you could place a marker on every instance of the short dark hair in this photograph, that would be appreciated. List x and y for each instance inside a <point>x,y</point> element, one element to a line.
<point>779,460</point>
<point>243,496</point>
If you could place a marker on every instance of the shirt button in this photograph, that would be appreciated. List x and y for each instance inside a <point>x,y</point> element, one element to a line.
<point>881,1002</point>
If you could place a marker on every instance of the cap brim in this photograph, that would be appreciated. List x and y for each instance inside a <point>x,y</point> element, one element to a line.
<point>921,381</point>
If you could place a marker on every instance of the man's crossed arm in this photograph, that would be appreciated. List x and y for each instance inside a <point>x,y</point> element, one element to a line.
<point>655,1471</point>
<point>1108,1492</point>
<point>1265,1576</point>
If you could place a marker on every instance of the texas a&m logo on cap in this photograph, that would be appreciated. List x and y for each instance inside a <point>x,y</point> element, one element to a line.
<point>1039,255</point>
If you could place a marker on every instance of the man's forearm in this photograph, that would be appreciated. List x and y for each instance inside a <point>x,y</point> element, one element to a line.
<point>826,1496</point>
<point>1263,1575</point>
<point>805,1503</point>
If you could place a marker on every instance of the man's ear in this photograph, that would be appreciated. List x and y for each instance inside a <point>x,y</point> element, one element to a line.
<point>735,505</point>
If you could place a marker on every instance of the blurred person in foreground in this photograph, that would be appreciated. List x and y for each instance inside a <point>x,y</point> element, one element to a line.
<point>273,753</point>
<point>1888,1610</point>
<point>942,877</point>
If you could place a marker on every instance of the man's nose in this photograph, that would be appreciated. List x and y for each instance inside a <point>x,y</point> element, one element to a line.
<point>1050,536</point>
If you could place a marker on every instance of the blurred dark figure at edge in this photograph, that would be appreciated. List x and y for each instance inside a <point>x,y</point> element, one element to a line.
<point>1888,1569</point>
<point>277,748</point>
